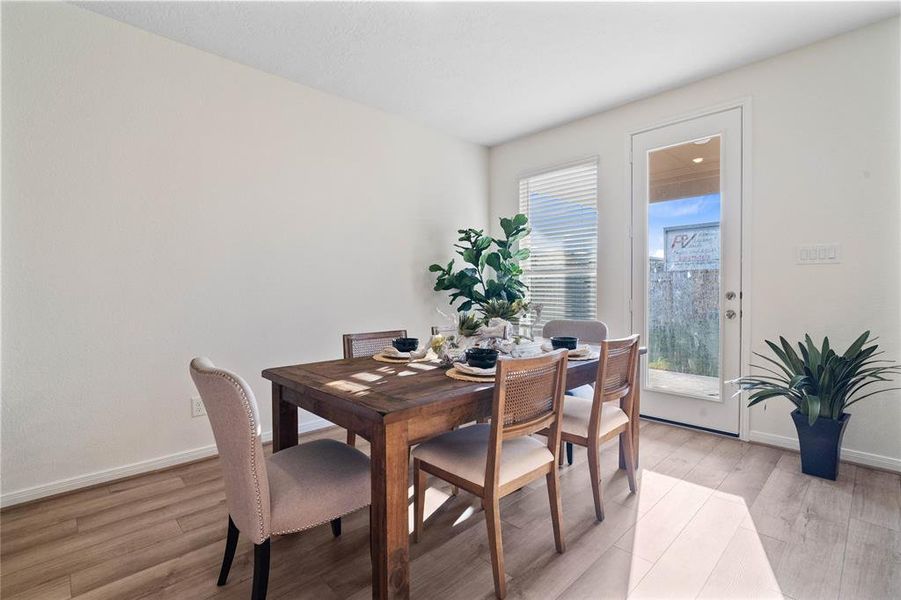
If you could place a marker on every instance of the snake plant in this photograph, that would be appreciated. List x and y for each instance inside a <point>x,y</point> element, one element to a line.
<point>819,381</point>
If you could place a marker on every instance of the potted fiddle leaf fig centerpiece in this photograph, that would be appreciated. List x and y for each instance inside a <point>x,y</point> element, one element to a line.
<point>821,383</point>
<point>498,293</point>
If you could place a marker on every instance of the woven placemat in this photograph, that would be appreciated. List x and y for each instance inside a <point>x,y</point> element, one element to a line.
<point>455,374</point>
<point>399,361</point>
<point>387,359</point>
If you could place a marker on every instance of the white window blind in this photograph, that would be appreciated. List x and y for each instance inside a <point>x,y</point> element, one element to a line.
<point>561,272</point>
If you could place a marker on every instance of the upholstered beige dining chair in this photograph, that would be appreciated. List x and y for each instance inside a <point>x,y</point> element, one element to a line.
<point>292,490</point>
<point>587,330</point>
<point>359,345</point>
<point>494,460</point>
<point>591,422</point>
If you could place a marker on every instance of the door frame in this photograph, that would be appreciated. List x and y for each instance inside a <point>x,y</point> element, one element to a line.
<point>744,103</point>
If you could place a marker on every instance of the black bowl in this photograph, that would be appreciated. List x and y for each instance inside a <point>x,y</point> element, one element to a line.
<point>564,341</point>
<point>405,344</point>
<point>481,358</point>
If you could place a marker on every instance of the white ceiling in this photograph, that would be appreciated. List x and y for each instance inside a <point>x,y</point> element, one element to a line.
<point>490,72</point>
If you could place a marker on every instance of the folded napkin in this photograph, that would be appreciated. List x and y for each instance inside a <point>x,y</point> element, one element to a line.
<point>468,370</point>
<point>392,352</point>
<point>582,350</point>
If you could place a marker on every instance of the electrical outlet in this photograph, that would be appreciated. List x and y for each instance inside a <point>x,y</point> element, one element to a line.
<point>197,408</point>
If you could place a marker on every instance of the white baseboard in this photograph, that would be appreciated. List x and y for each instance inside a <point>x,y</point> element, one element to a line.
<point>854,456</point>
<point>146,466</point>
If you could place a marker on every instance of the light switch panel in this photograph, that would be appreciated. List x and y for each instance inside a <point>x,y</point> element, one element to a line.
<point>818,254</point>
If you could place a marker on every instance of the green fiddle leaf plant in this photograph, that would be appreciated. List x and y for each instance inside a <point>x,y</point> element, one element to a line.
<point>478,288</point>
<point>820,382</point>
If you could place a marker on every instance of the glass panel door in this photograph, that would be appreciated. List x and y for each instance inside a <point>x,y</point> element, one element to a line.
<point>686,268</point>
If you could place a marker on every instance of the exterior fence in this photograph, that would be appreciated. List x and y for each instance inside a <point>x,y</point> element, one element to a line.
<point>683,320</point>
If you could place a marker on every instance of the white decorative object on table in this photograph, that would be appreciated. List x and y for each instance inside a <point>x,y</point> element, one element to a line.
<point>496,328</point>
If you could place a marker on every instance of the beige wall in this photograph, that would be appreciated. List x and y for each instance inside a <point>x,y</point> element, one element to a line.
<point>824,168</point>
<point>160,202</point>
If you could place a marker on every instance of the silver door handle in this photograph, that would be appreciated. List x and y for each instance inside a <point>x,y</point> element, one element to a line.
<point>730,314</point>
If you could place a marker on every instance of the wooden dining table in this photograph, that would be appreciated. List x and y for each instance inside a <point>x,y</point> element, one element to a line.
<point>393,406</point>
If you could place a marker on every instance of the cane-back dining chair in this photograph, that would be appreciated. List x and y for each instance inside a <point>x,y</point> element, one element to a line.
<point>587,330</point>
<point>493,460</point>
<point>591,422</point>
<point>293,490</point>
<point>359,345</point>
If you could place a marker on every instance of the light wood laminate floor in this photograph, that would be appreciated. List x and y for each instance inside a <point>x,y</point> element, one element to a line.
<point>714,518</point>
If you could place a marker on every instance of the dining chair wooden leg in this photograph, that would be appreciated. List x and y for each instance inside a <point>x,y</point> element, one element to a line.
<point>553,493</point>
<point>495,545</point>
<point>419,481</point>
<point>594,470</point>
<point>351,438</point>
<point>569,452</point>
<point>231,543</point>
<point>629,452</point>
<point>561,454</point>
<point>260,570</point>
<point>336,527</point>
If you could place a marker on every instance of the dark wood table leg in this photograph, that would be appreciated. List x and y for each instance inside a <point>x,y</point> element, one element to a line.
<point>284,421</point>
<point>388,521</point>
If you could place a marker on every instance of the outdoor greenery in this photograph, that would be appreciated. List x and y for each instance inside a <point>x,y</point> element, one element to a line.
<point>690,347</point>
<point>683,320</point>
<point>819,381</point>
<point>502,295</point>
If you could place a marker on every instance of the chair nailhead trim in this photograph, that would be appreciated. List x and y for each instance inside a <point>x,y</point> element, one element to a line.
<point>253,435</point>
<point>287,531</point>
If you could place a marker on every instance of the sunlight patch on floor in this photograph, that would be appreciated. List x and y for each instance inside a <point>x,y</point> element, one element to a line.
<point>700,542</point>
<point>470,510</point>
<point>685,540</point>
<point>434,499</point>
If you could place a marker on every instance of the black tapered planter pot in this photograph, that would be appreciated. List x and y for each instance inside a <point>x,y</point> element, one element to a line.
<point>821,444</point>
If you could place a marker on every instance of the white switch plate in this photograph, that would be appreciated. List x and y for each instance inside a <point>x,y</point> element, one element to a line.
<point>197,408</point>
<point>818,254</point>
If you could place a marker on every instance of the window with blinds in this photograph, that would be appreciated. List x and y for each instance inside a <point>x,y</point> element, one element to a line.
<point>561,272</point>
